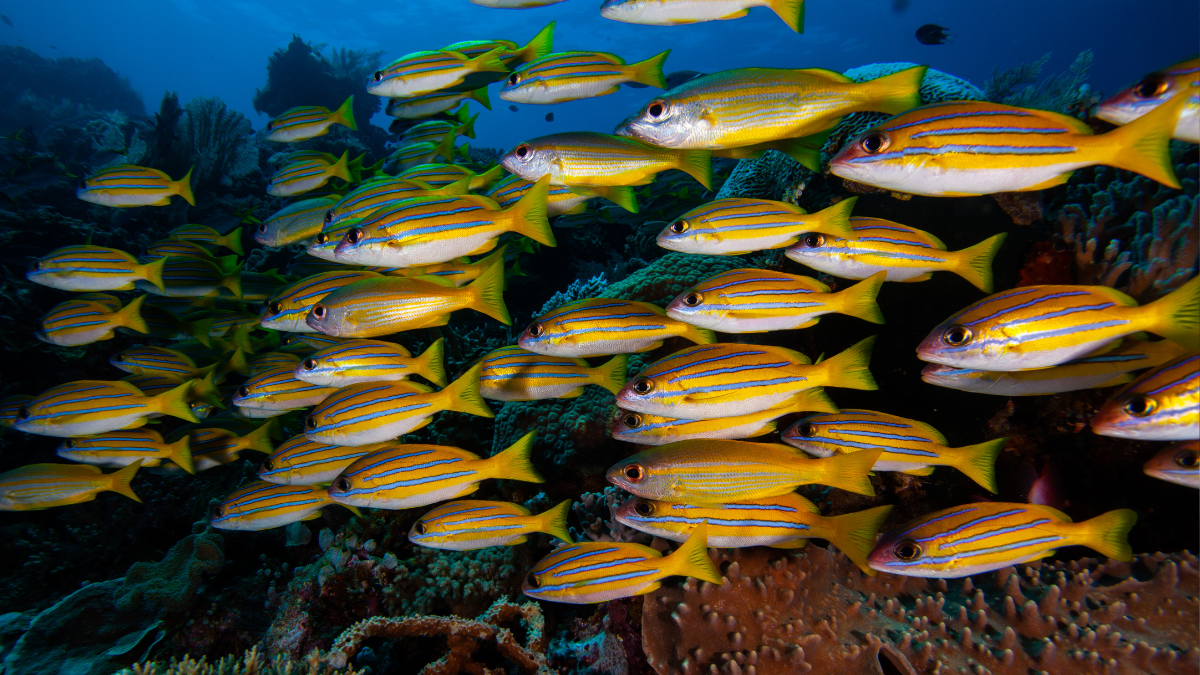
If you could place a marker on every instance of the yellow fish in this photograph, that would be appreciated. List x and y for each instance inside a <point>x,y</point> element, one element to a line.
<point>93,268</point>
<point>129,185</point>
<point>117,449</point>
<point>87,407</point>
<point>309,121</point>
<point>514,374</point>
<point>584,158</point>
<point>262,506</point>
<point>43,486</point>
<point>84,320</point>
<point>470,525</point>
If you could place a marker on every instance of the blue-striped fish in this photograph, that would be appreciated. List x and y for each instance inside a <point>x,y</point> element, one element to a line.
<point>287,310</point>
<point>262,506</point>
<point>460,270</point>
<point>433,103</point>
<point>294,223</point>
<point>129,185</point>
<point>163,323</point>
<point>569,76</point>
<point>93,268</point>
<point>84,321</point>
<point>515,4</point>
<point>514,374</point>
<point>10,407</point>
<point>178,248</point>
<point>786,521</point>
<point>1043,326</point>
<point>429,71</point>
<point>117,449</point>
<point>908,446</point>
<point>405,476</point>
<point>278,389</point>
<point>326,242</point>
<point>987,536</point>
<point>312,342</point>
<point>374,412</point>
<point>208,236</point>
<point>1154,90</point>
<point>648,429</point>
<point>309,121</point>
<point>749,106</point>
<point>708,471</point>
<point>299,461</point>
<point>739,226</point>
<point>87,407</point>
<point>600,326</point>
<point>1162,404</point>
<point>381,193</point>
<point>1178,463</point>
<point>588,159</point>
<point>434,131</point>
<point>202,398</point>
<point>196,277</point>
<point>470,525</point>
<point>676,12</point>
<point>1108,369</point>
<point>375,307</point>
<point>757,301</point>
<point>215,446</point>
<point>42,486</point>
<point>225,324</point>
<point>441,175</point>
<point>904,253</point>
<point>726,380</point>
<point>304,175</point>
<point>560,199</point>
<point>509,52</point>
<point>258,413</point>
<point>416,153</point>
<point>430,230</point>
<point>355,361</point>
<point>159,361</point>
<point>601,571</point>
<point>977,148</point>
<point>264,362</point>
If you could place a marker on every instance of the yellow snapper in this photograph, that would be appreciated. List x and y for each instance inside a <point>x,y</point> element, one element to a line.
<point>786,521</point>
<point>303,175</point>
<point>461,271</point>
<point>196,277</point>
<point>904,253</point>
<point>430,230</point>
<point>42,486</point>
<point>201,398</point>
<point>390,305</point>
<point>1163,404</point>
<point>10,407</point>
<point>373,412</point>
<point>658,430</point>
<point>588,159</point>
<point>510,53</point>
<point>569,76</point>
<point>262,506</point>
<point>594,572</point>
<point>216,446</point>
<point>263,363</point>
<point>379,193</point>
<point>560,199</point>
<point>129,185</point>
<point>177,248</point>
<point>93,268</point>
<point>1090,372</point>
<point>87,407</point>
<point>1043,326</point>
<point>405,476</point>
<point>1154,90</point>
<point>411,154</point>
<point>309,121</point>
<point>288,308</point>
<point>121,448</point>
<point>1178,463</point>
<point>908,446</point>
<point>726,380</point>
<point>738,226</point>
<point>708,471</point>
<point>160,361</point>
<point>514,374</point>
<point>677,12</point>
<point>294,223</point>
<point>749,106</point>
<point>355,361</point>
<point>435,131</point>
<point>978,538</point>
<point>426,105</point>
<point>978,148</point>
<point>430,71</point>
<point>85,320</point>
<point>757,301</point>
<point>278,389</point>
<point>208,236</point>
<point>441,175</point>
<point>600,326</point>
<point>299,461</point>
<point>470,525</point>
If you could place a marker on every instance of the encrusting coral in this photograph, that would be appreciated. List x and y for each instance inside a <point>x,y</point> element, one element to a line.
<point>251,663</point>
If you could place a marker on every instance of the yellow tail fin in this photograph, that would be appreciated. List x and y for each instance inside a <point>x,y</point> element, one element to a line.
<point>445,148</point>
<point>978,462</point>
<point>467,128</point>
<point>481,95</point>
<point>259,440</point>
<point>701,336</point>
<point>812,400</point>
<point>487,294</point>
<point>623,196</point>
<point>233,281</point>
<point>488,63</point>
<point>835,220</point>
<point>848,370</point>
<point>541,45</point>
<point>650,71</point>
<point>175,402</point>
<point>462,395</point>
<point>975,263</point>
<point>130,316</point>
<point>849,472</point>
<point>1143,145</point>
<point>859,300</point>
<point>854,534</point>
<point>340,169</point>
<point>1108,534</point>
<point>485,180</point>
<point>528,216</point>
<point>613,374</point>
<point>153,272</point>
<point>1177,315</point>
<point>697,164</point>
<point>232,241</point>
<point>898,92</point>
<point>691,558</point>
<point>430,365</point>
<point>344,115</point>
<point>554,521</point>
<point>515,462</point>
<point>122,478</point>
<point>458,187</point>
<point>200,329</point>
<point>806,149</point>
<point>183,188</point>
<point>180,452</point>
<point>791,11</point>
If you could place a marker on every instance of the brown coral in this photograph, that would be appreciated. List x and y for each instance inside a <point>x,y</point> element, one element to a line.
<point>816,612</point>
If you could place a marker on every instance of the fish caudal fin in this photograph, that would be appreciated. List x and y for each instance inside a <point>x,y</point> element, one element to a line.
<point>813,400</point>
<point>488,63</point>
<point>130,316</point>
<point>1143,145</point>
<point>806,149</point>
<point>121,479</point>
<point>854,534</point>
<point>233,241</point>
<point>183,188</point>
<point>430,364</point>
<point>458,187</point>
<point>487,293</point>
<point>341,168</point>
<point>516,463</point>
<point>528,215</point>
<point>621,195</point>
<point>344,115</point>
<point>233,282</point>
<point>835,220</point>
<point>467,128</point>
<point>554,521</point>
<point>200,329</point>
<point>485,180</point>
<point>541,45</point>
<point>462,395</point>
<point>691,558</point>
<point>701,336</point>
<point>180,452</point>
<point>849,370</point>
<point>791,11</point>
<point>259,440</point>
<point>975,263</point>
<point>650,71</point>
<point>978,462</point>
<point>898,92</point>
<point>613,374</point>
<point>1177,316</point>
<point>859,300</point>
<point>1108,534</point>
<point>153,272</point>
<point>849,471</point>
<point>175,402</point>
<point>481,96</point>
<point>698,165</point>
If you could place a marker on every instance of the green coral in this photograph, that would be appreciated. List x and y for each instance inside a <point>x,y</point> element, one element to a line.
<point>466,582</point>
<point>670,275</point>
<point>250,663</point>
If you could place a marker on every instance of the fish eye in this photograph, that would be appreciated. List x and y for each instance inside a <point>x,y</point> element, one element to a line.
<point>118,357</point>
<point>321,237</point>
<point>693,299</point>
<point>270,125</point>
<point>354,235</point>
<point>680,226</point>
<point>309,364</point>
<point>536,329</point>
<point>644,508</point>
<point>1139,406</point>
<point>634,473</point>
<point>656,108</point>
<point>328,218</point>
<point>268,465</point>
<point>814,240</point>
<point>632,420</point>
<point>1188,459</point>
<point>319,311</point>
<point>907,550</point>
<point>514,78</point>
<point>310,423</point>
<point>342,484</point>
<point>35,265</point>
<point>275,307</point>
<point>218,511</point>
<point>1151,87</point>
<point>69,444</point>
<point>243,392</point>
<point>956,336</point>
<point>23,413</point>
<point>643,386</point>
<point>807,430</point>
<point>532,580</point>
<point>262,228</point>
<point>875,143</point>
<point>378,75</point>
<point>420,528</point>
<point>522,150</point>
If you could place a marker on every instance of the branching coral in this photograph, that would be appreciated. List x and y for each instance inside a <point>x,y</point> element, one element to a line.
<point>578,290</point>
<point>669,276</point>
<point>216,140</point>
<point>1065,93</point>
<point>596,512</point>
<point>251,663</point>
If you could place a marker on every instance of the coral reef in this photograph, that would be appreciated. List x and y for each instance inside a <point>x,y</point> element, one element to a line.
<point>217,141</point>
<point>250,663</point>
<point>1067,92</point>
<point>597,511</point>
<point>670,275</point>
<point>32,86</point>
<point>300,75</point>
<point>578,290</point>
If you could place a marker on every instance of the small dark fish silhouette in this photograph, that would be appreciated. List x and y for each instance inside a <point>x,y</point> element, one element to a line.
<point>932,34</point>
<point>512,108</point>
<point>671,81</point>
<point>7,21</point>
<point>899,5</point>
<point>53,46</point>
<point>549,117</point>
